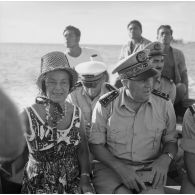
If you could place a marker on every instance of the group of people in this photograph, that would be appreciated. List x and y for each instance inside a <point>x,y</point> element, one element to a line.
<point>85,135</point>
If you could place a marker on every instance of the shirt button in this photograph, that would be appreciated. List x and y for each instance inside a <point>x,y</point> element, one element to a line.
<point>135,134</point>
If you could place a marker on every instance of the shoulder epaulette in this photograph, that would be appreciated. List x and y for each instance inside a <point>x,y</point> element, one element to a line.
<point>192,109</point>
<point>110,87</point>
<point>78,84</point>
<point>108,98</point>
<point>160,94</point>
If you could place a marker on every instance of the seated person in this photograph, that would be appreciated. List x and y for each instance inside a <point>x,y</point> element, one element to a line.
<point>161,83</point>
<point>174,66</point>
<point>93,75</point>
<point>133,133</point>
<point>54,128</point>
<point>188,144</point>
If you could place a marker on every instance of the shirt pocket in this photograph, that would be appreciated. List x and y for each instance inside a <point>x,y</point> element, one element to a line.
<point>156,138</point>
<point>117,136</point>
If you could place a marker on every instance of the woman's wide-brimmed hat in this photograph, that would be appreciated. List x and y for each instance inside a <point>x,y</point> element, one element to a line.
<point>56,61</point>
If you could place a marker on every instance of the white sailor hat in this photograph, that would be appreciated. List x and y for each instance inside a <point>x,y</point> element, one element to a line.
<point>156,49</point>
<point>137,66</point>
<point>91,70</point>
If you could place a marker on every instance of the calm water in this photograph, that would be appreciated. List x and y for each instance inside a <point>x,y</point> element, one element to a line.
<point>20,65</point>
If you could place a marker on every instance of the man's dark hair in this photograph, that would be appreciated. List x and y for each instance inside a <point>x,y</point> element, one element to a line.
<point>166,27</point>
<point>74,29</point>
<point>136,22</point>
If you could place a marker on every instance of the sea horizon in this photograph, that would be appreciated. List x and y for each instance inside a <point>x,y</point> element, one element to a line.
<point>20,66</point>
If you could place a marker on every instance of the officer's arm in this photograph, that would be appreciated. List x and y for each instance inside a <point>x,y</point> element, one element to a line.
<point>172,93</point>
<point>188,144</point>
<point>97,139</point>
<point>169,138</point>
<point>184,79</point>
<point>189,160</point>
<point>183,71</point>
<point>83,151</point>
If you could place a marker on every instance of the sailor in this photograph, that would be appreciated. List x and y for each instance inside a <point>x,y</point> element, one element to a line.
<point>93,75</point>
<point>133,133</point>
<point>188,145</point>
<point>161,83</point>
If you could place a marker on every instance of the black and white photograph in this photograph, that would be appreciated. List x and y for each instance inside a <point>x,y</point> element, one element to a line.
<point>97,97</point>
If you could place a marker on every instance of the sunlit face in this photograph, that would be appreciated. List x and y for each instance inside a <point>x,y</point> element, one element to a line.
<point>139,91</point>
<point>71,40</point>
<point>164,36</point>
<point>158,62</point>
<point>134,31</point>
<point>57,85</point>
<point>94,91</point>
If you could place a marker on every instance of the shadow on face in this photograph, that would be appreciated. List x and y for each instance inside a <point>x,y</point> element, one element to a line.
<point>139,91</point>
<point>57,85</point>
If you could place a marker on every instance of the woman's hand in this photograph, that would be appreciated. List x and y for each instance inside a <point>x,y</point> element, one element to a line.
<point>86,185</point>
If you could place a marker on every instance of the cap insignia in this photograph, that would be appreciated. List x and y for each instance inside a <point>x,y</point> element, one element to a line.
<point>141,56</point>
<point>157,46</point>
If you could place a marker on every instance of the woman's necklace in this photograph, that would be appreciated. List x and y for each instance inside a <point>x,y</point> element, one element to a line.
<point>54,114</point>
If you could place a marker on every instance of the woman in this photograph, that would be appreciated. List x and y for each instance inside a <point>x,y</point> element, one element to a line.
<point>58,152</point>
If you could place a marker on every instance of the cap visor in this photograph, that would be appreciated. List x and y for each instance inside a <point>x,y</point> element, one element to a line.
<point>149,73</point>
<point>157,54</point>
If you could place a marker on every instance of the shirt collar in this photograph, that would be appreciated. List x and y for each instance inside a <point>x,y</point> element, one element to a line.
<point>123,101</point>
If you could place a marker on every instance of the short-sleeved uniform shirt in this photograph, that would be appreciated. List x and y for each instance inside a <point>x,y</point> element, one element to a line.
<point>79,98</point>
<point>166,86</point>
<point>188,132</point>
<point>134,136</point>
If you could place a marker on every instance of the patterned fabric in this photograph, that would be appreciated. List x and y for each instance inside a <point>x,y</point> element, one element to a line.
<point>52,169</point>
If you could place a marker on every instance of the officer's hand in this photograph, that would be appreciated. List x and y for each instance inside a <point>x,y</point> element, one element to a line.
<point>160,169</point>
<point>130,179</point>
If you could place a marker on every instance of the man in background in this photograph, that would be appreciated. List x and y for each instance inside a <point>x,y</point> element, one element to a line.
<point>137,42</point>
<point>74,52</point>
<point>174,65</point>
<point>161,83</point>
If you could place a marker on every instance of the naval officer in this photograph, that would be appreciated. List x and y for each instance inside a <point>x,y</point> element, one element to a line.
<point>133,133</point>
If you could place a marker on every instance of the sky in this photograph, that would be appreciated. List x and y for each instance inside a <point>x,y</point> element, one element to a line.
<point>100,22</point>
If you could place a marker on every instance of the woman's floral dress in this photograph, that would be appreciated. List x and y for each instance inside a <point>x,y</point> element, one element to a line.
<point>52,168</point>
